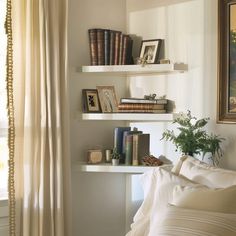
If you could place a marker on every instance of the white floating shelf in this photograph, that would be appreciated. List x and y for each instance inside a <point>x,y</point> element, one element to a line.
<point>165,117</point>
<point>137,69</point>
<point>108,168</point>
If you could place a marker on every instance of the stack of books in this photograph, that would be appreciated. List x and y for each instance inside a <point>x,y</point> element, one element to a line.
<point>142,105</point>
<point>132,145</point>
<point>110,47</point>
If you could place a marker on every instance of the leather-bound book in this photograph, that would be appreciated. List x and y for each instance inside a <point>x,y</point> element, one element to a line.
<point>125,49</point>
<point>100,43</point>
<point>117,47</point>
<point>129,57</point>
<point>140,106</point>
<point>93,46</point>
<point>121,48</point>
<point>107,47</point>
<point>128,145</point>
<point>112,46</point>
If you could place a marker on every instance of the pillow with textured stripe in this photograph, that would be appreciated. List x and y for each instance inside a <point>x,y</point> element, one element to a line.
<point>178,221</point>
<point>202,198</point>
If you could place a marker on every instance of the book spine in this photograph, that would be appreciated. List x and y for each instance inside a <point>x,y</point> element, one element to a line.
<point>129,58</point>
<point>93,46</point>
<point>116,49</point>
<point>124,50</point>
<point>141,147</point>
<point>126,133</point>
<point>121,48</point>
<point>135,150</point>
<point>107,47</point>
<point>144,101</point>
<point>128,149</point>
<point>140,106</point>
<point>118,141</point>
<point>112,47</point>
<point>100,46</point>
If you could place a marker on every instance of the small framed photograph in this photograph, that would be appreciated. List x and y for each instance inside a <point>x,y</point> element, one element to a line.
<point>150,50</point>
<point>91,100</point>
<point>107,97</point>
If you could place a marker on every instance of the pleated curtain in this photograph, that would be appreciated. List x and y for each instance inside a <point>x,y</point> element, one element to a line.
<point>42,158</point>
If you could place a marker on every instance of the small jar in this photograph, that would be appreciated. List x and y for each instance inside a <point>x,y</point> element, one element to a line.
<point>108,154</point>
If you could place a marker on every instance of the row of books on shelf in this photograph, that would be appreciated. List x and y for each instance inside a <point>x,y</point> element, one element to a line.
<point>110,47</point>
<point>138,105</point>
<point>132,145</point>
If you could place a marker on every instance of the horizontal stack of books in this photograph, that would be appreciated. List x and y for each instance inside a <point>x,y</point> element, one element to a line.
<point>110,47</point>
<point>142,105</point>
<point>132,145</point>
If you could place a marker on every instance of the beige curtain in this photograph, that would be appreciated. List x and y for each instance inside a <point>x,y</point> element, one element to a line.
<point>42,160</point>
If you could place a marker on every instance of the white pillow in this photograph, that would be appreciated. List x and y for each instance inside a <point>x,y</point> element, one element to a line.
<point>204,174</point>
<point>140,225</point>
<point>185,222</point>
<point>158,187</point>
<point>217,200</point>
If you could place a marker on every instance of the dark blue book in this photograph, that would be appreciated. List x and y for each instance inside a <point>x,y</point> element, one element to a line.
<point>118,141</point>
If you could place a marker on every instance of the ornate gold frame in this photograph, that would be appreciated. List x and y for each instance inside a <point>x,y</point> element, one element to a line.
<point>224,115</point>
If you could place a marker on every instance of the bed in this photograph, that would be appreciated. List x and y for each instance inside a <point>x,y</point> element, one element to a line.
<point>189,198</point>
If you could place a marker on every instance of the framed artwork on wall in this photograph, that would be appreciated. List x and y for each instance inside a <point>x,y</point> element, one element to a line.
<point>107,97</point>
<point>90,101</point>
<point>227,61</point>
<point>150,50</point>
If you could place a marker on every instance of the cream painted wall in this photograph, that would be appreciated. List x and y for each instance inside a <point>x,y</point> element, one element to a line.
<point>189,29</point>
<point>98,199</point>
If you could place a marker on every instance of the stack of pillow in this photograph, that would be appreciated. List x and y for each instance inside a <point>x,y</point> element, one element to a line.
<point>192,198</point>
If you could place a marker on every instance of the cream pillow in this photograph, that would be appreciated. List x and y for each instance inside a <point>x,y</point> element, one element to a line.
<point>165,183</point>
<point>200,198</point>
<point>178,221</point>
<point>203,173</point>
<point>158,185</point>
<point>140,225</point>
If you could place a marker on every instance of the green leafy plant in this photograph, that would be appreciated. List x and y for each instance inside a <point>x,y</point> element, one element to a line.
<point>115,154</point>
<point>193,139</point>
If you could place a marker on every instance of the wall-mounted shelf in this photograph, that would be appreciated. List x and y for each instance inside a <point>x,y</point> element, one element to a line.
<point>137,69</point>
<point>165,117</point>
<point>108,168</point>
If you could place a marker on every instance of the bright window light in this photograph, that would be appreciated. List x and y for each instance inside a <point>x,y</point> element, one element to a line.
<point>3,107</point>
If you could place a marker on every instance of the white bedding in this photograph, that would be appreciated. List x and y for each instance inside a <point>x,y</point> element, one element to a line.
<point>162,187</point>
<point>178,221</point>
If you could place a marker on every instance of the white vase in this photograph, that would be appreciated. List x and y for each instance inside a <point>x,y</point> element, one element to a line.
<point>115,162</point>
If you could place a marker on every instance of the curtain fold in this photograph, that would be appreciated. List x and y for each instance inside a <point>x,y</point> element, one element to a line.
<point>42,158</point>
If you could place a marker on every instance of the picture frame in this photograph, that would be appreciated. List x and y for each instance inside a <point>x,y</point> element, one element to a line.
<point>226,102</point>
<point>91,103</point>
<point>150,50</point>
<point>107,97</point>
